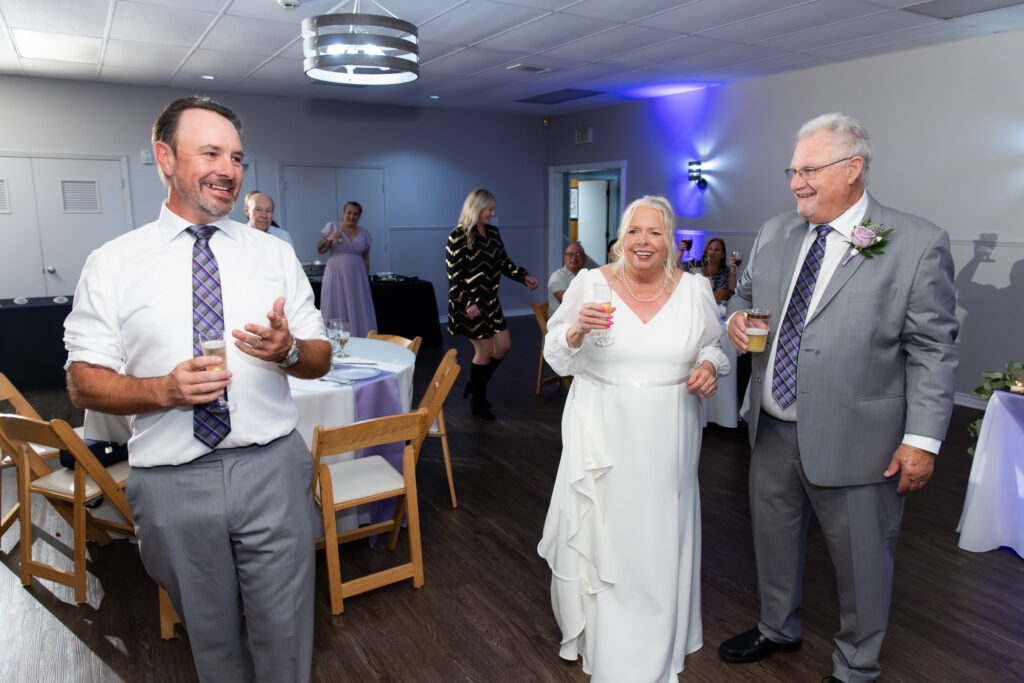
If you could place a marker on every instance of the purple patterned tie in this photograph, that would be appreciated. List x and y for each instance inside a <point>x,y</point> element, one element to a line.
<point>784,378</point>
<point>209,425</point>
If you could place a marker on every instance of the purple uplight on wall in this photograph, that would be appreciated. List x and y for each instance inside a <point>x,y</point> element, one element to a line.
<point>649,92</point>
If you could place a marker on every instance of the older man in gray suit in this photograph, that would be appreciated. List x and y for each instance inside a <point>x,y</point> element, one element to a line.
<point>851,398</point>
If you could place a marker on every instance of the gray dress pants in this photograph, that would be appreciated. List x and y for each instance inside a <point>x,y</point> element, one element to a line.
<point>231,538</point>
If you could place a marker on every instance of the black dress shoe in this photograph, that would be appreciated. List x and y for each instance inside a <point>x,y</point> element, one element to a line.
<point>752,646</point>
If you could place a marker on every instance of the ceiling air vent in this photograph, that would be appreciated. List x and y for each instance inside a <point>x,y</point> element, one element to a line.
<point>955,9</point>
<point>5,197</point>
<point>80,196</point>
<point>565,95</point>
<point>528,68</point>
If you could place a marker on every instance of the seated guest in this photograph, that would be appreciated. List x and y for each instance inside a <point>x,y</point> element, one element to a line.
<point>574,259</point>
<point>611,250</point>
<point>259,209</point>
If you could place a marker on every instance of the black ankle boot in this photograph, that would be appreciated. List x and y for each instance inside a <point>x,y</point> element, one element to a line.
<point>478,376</point>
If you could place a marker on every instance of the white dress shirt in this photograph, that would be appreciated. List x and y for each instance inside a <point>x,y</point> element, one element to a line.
<point>836,249</point>
<point>133,314</point>
<point>558,282</point>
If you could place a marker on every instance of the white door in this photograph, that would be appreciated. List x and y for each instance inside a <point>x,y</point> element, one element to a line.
<point>21,260</point>
<point>314,195</point>
<point>366,186</point>
<point>80,204</point>
<point>593,218</point>
<point>310,201</point>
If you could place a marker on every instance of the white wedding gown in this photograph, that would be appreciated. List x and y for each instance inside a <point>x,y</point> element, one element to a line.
<point>622,534</point>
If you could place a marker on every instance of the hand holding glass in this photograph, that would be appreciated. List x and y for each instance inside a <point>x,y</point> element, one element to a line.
<point>757,336</point>
<point>603,297</point>
<point>211,343</point>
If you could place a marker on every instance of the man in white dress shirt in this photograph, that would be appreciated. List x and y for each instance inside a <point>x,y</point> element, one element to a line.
<point>223,513</point>
<point>259,208</point>
<point>575,258</point>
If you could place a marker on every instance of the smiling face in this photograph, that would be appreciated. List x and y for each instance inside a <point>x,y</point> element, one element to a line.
<point>574,258</point>
<point>715,251</point>
<point>644,243</point>
<point>350,216</point>
<point>205,169</point>
<point>261,211</point>
<point>832,190</point>
<point>486,215</point>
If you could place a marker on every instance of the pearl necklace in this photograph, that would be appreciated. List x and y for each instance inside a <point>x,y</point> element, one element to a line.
<point>664,286</point>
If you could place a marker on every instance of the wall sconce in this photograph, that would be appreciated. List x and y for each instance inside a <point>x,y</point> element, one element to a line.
<point>695,175</point>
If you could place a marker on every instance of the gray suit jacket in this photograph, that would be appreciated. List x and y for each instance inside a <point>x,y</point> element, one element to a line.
<point>877,358</point>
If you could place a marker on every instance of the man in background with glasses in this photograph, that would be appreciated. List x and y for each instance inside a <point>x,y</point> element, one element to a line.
<point>851,398</point>
<point>574,258</point>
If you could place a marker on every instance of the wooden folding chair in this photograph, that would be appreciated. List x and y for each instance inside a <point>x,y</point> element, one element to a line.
<point>540,311</point>
<point>433,400</point>
<point>411,344</point>
<point>67,490</point>
<point>22,407</point>
<point>342,485</point>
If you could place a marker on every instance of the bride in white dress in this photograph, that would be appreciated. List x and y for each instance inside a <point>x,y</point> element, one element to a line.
<point>622,535</point>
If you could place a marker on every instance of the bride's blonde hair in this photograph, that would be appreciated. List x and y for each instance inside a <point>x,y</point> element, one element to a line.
<point>668,221</point>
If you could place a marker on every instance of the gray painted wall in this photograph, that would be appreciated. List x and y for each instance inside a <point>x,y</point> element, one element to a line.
<point>431,158</point>
<point>948,138</point>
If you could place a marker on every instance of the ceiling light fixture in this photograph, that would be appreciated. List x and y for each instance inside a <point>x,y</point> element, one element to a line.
<point>360,49</point>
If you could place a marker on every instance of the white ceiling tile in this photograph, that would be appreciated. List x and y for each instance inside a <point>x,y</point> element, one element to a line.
<point>81,17</point>
<point>548,32</point>
<point>193,81</point>
<point>855,52</point>
<point>1004,19</point>
<point>674,50</point>
<point>550,5</point>
<point>251,36</point>
<point>164,25</point>
<point>50,68</point>
<point>704,15</point>
<point>791,20</point>
<point>624,39</point>
<point>280,67</point>
<point>128,54</point>
<point>621,10</point>
<point>432,50</point>
<point>198,5</point>
<point>740,70</point>
<point>722,58</point>
<point>272,11</point>
<point>471,60</point>
<point>896,4</point>
<point>221,64</point>
<point>864,46</point>
<point>57,46</point>
<point>475,20</point>
<point>124,74</point>
<point>852,29</point>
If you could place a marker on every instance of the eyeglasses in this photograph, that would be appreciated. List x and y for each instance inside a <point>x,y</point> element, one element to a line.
<point>574,254</point>
<point>809,173</point>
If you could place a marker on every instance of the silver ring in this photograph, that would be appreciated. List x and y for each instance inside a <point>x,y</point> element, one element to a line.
<point>259,344</point>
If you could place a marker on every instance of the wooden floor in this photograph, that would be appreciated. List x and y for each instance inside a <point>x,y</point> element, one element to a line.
<point>484,613</point>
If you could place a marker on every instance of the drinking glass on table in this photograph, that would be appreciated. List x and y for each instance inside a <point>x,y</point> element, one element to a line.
<point>338,331</point>
<point>602,292</point>
<point>211,343</point>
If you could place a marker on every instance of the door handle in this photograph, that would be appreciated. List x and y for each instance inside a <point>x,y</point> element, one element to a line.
<point>51,270</point>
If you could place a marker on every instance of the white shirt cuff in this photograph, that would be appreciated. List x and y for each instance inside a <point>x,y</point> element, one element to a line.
<point>925,443</point>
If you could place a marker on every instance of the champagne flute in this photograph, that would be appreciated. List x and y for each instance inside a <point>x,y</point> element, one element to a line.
<point>211,343</point>
<point>603,297</point>
<point>338,331</point>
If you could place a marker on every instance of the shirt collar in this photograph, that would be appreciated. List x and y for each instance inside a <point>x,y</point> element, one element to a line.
<point>172,225</point>
<point>849,219</point>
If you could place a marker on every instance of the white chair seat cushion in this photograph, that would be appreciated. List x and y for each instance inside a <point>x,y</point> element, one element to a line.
<point>62,481</point>
<point>362,477</point>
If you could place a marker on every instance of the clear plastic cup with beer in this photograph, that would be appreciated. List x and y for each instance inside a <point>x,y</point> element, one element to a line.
<point>756,336</point>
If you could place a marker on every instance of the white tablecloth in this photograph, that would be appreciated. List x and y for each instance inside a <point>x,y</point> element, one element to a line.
<point>993,514</point>
<point>721,408</point>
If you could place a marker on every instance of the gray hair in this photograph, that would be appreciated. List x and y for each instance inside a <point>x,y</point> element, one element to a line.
<point>668,221</point>
<point>850,134</point>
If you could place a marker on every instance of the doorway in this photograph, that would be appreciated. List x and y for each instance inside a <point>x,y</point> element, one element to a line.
<point>584,203</point>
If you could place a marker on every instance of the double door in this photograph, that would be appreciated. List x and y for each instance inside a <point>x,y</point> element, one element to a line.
<point>53,213</point>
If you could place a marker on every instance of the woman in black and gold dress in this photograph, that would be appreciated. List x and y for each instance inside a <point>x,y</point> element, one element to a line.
<point>475,259</point>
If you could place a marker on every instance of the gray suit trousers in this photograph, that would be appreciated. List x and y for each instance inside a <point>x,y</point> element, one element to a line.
<point>229,532</point>
<point>861,526</point>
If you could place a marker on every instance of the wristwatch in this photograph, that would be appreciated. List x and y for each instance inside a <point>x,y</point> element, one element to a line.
<point>293,355</point>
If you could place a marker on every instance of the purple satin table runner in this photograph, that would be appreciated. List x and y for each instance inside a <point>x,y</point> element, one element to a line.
<point>379,397</point>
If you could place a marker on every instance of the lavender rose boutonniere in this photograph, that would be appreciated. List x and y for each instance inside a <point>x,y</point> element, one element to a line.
<point>867,240</point>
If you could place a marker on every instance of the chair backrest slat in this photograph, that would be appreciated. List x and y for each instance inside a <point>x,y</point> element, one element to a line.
<point>440,386</point>
<point>334,440</point>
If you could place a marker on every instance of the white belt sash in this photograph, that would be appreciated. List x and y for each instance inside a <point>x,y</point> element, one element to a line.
<point>636,384</point>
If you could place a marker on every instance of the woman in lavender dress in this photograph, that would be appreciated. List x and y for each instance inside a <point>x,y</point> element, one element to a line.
<point>345,293</point>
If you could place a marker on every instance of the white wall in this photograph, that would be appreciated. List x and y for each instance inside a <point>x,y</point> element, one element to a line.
<point>948,129</point>
<point>431,158</point>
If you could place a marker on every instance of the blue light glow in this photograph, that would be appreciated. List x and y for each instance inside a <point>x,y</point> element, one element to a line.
<point>647,92</point>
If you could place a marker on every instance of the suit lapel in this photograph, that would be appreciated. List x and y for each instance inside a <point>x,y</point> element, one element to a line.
<point>843,273</point>
<point>792,253</point>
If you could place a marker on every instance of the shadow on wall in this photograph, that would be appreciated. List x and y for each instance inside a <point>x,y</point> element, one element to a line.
<point>992,331</point>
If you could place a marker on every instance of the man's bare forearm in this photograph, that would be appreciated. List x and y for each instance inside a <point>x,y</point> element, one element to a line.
<point>314,359</point>
<point>99,388</point>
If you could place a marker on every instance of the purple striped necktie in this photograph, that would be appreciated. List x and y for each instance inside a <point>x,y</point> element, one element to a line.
<point>209,425</point>
<point>784,378</point>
